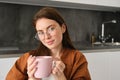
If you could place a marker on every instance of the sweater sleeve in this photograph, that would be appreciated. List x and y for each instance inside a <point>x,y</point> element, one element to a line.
<point>18,70</point>
<point>80,67</point>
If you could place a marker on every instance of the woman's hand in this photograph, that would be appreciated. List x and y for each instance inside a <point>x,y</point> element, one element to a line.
<point>58,70</point>
<point>31,67</point>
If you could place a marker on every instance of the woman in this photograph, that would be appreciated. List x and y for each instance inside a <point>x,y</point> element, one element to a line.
<point>54,41</point>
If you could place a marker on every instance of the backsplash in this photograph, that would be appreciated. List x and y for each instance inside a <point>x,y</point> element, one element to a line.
<point>16,24</point>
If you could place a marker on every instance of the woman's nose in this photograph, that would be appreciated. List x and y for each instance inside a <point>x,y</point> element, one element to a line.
<point>47,35</point>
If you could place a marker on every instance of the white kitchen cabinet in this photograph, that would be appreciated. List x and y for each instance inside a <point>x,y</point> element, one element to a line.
<point>102,5</point>
<point>110,3</point>
<point>104,65</point>
<point>5,65</point>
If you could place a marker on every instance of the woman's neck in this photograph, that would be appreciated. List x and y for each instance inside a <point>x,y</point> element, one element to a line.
<point>57,52</point>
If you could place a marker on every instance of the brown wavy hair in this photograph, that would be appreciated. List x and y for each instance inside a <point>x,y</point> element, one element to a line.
<point>53,14</point>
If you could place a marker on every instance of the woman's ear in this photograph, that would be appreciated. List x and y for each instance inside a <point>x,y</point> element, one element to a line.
<point>63,28</point>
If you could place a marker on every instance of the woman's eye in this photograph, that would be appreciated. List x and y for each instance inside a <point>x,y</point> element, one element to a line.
<point>51,28</point>
<point>40,33</point>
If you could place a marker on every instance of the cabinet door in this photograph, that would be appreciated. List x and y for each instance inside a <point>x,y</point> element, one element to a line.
<point>5,65</point>
<point>114,66</point>
<point>104,65</point>
<point>110,3</point>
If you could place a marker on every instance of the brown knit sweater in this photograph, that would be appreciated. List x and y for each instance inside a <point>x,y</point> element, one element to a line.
<point>74,60</point>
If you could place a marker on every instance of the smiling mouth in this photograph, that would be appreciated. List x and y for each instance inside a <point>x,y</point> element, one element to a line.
<point>50,42</point>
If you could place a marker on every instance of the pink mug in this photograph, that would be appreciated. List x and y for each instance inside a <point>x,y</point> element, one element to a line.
<point>44,66</point>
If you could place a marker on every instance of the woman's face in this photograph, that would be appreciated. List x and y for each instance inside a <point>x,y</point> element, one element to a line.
<point>50,32</point>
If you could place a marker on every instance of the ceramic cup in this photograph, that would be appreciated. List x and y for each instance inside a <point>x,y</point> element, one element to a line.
<point>44,66</point>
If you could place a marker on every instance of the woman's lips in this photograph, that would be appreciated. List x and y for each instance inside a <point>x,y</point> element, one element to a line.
<point>50,42</point>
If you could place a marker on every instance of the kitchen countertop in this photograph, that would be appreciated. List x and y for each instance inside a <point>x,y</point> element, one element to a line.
<point>6,52</point>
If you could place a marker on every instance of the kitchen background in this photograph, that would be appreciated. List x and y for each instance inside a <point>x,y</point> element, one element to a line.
<point>16,28</point>
<point>84,19</point>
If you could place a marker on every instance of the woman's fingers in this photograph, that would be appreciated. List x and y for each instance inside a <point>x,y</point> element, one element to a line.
<point>31,66</point>
<point>59,67</point>
<point>31,73</point>
<point>30,60</point>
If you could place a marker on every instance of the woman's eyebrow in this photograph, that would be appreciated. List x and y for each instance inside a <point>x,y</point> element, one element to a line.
<point>39,30</point>
<point>46,27</point>
<point>49,26</point>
